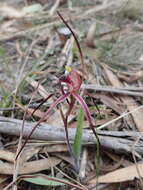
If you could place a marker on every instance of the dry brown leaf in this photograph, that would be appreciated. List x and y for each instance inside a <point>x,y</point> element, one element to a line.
<point>41,89</point>
<point>120,175</point>
<point>112,167</point>
<point>37,113</point>
<point>55,119</point>
<point>90,41</point>
<point>98,122</point>
<point>10,12</point>
<point>29,153</point>
<point>8,26</point>
<point>117,158</point>
<point>65,158</point>
<point>30,167</point>
<point>55,148</point>
<point>110,102</point>
<point>7,155</point>
<point>128,101</point>
<point>3,181</point>
<point>132,78</point>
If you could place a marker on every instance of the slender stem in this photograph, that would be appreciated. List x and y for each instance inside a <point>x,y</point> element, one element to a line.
<point>76,40</point>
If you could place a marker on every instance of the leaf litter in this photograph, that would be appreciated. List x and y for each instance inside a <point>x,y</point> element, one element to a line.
<point>111,65</point>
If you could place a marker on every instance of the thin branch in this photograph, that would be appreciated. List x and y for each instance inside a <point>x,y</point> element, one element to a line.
<point>110,89</point>
<point>121,142</point>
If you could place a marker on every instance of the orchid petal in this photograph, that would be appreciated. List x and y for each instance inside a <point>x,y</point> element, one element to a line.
<point>58,101</point>
<point>84,106</point>
<point>87,114</point>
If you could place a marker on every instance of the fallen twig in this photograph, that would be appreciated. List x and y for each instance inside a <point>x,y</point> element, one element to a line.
<point>113,140</point>
<point>123,91</point>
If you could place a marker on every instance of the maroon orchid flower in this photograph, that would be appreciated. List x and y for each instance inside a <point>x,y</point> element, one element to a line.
<point>73,82</point>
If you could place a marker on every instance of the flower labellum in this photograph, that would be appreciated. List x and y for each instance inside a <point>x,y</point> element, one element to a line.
<point>72,79</point>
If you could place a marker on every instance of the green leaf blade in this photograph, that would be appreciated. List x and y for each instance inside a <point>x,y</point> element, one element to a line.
<point>78,137</point>
<point>43,181</point>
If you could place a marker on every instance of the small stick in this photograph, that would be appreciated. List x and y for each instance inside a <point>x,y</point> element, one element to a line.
<point>112,90</point>
<point>120,141</point>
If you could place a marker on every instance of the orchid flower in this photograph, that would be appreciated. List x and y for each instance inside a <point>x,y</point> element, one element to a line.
<point>73,81</point>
